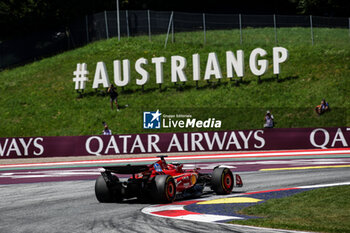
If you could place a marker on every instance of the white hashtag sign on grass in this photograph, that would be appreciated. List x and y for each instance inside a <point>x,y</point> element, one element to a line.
<point>80,76</point>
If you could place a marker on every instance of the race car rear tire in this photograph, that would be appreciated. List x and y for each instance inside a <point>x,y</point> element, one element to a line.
<point>165,189</point>
<point>222,181</point>
<point>104,194</point>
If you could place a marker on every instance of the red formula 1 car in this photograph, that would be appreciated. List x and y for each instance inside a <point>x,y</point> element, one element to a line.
<point>162,182</point>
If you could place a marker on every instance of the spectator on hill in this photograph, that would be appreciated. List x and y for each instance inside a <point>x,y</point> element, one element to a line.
<point>113,94</point>
<point>106,130</point>
<point>269,120</point>
<point>323,107</point>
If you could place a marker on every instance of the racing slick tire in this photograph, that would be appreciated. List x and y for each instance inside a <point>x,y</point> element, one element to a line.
<point>222,181</point>
<point>103,192</point>
<point>165,188</point>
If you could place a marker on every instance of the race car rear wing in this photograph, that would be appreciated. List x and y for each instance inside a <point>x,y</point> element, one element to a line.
<point>128,169</point>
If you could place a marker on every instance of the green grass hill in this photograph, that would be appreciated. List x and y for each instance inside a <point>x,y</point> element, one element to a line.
<point>39,99</point>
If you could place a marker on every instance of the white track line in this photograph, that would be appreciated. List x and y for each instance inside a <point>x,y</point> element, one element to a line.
<point>323,185</point>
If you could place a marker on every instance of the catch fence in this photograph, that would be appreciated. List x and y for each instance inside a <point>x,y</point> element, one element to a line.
<point>108,24</point>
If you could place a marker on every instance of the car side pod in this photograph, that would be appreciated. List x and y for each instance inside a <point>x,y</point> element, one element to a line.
<point>222,181</point>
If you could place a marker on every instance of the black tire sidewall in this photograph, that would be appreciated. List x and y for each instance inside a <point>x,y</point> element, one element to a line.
<point>218,181</point>
<point>162,183</point>
<point>102,192</point>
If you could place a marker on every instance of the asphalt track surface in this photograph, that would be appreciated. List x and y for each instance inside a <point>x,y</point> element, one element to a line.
<point>71,206</point>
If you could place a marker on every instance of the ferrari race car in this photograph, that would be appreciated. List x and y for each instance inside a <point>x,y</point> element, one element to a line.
<point>161,182</point>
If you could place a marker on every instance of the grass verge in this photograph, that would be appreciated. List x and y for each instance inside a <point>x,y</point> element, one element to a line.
<point>320,210</point>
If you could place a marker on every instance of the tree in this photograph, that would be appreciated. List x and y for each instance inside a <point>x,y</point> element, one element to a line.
<point>19,17</point>
<point>323,7</point>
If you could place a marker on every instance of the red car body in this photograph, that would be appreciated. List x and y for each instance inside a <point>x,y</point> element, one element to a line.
<point>162,182</point>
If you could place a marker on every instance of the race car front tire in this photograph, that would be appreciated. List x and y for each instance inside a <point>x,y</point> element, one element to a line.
<point>222,181</point>
<point>103,192</point>
<point>165,189</point>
